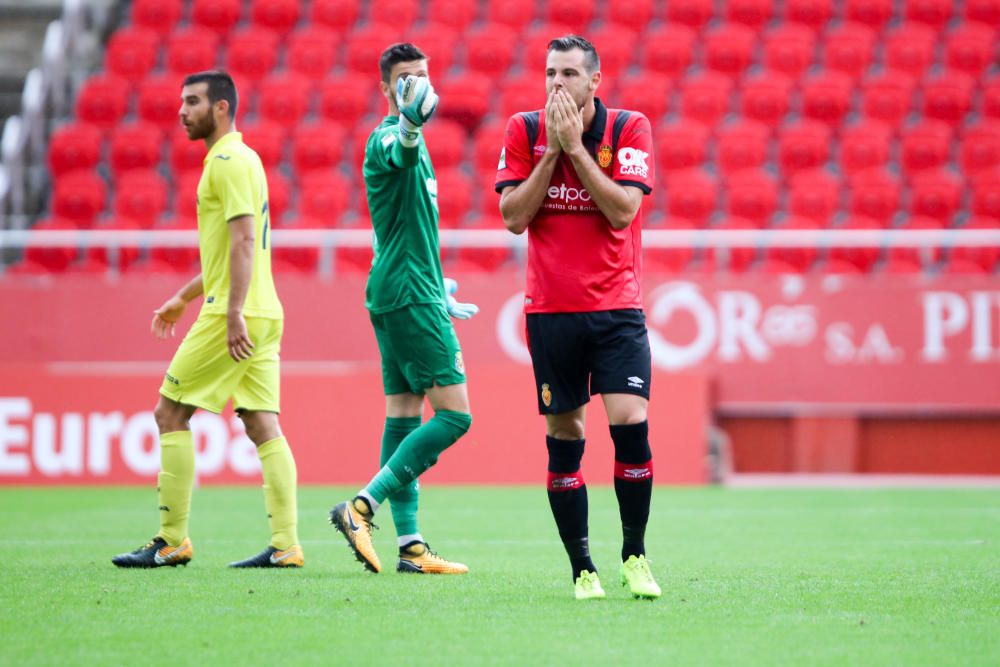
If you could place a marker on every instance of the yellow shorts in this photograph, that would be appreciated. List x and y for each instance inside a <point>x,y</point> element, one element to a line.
<point>203,374</point>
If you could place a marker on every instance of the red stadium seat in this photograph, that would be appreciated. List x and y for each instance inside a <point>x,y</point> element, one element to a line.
<point>873,13</point>
<point>457,14</point>
<point>252,53</point>
<point>792,260</point>
<point>471,259</point>
<point>132,53</point>
<point>180,260</point>
<point>733,259</point>
<point>159,102</point>
<point>140,196</point>
<point>926,145</point>
<point>647,92</point>
<point>446,142</point>
<point>705,97</point>
<point>469,98</point>
<point>826,97</point>
<point>438,41</point>
<point>948,96</point>
<point>742,145</point>
<point>324,196</point>
<point>752,13</point>
<point>633,15</point>
<point>277,15</point>
<point>990,98</point>
<point>525,92</point>
<point>766,98</point>
<point>668,49</point>
<point>848,48</point>
<point>514,14</point>
<point>279,192</point>
<point>616,46</point>
<point>312,51</point>
<point>220,16</point>
<point>103,101</point>
<point>864,145</point>
<point>337,15</point>
<point>729,49</point>
<point>803,145</point>
<point>854,260</point>
<point>874,194</point>
<point>909,48</point>
<point>980,150</point>
<point>935,13</point>
<point>814,195</point>
<point>752,195</point>
<point>400,13</point>
<point>487,143</point>
<point>901,259</point>
<point>284,98</point>
<point>353,260</point>
<point>99,259</point>
<point>969,48</point>
<point>692,13</point>
<point>193,49</point>
<point>158,15</point>
<point>986,197</point>
<point>668,260</point>
<point>488,49</point>
<point>935,194</point>
<point>267,139</point>
<point>812,13</point>
<point>534,44</point>
<point>887,97</point>
<point>788,49</point>
<point>978,259</point>
<point>455,190</point>
<point>186,155</point>
<point>317,147</point>
<point>49,259</point>
<point>691,194</point>
<point>74,146</point>
<point>135,146</point>
<point>185,194</point>
<point>986,12</point>
<point>365,46</point>
<point>577,14</point>
<point>346,98</point>
<point>681,145</point>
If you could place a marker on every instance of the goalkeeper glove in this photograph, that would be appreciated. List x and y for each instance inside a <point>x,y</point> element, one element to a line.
<point>460,311</point>
<point>417,101</point>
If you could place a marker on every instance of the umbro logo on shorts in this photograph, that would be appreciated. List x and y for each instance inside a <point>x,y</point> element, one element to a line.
<point>636,382</point>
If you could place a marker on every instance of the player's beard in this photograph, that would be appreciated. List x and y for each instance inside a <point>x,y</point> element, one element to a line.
<point>201,128</point>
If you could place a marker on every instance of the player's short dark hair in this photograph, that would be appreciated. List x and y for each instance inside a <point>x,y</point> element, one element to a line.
<point>591,60</point>
<point>401,52</point>
<point>220,87</point>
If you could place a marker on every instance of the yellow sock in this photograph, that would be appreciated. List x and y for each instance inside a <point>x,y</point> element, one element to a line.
<point>174,485</point>
<point>278,468</point>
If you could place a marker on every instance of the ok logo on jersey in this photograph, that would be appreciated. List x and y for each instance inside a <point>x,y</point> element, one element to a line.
<point>633,162</point>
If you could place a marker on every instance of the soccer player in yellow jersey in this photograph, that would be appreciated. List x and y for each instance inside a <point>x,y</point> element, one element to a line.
<point>232,349</point>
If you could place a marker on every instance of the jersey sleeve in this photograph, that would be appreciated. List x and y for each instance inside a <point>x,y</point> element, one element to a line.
<point>515,156</point>
<point>233,185</point>
<point>634,161</point>
<point>384,152</point>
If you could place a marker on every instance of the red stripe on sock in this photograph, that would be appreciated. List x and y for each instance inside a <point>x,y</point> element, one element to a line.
<point>634,472</point>
<point>564,481</point>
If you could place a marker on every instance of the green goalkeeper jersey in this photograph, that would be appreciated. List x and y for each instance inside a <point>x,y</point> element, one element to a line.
<point>403,205</point>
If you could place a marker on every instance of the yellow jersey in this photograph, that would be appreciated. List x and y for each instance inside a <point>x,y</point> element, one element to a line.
<point>232,185</point>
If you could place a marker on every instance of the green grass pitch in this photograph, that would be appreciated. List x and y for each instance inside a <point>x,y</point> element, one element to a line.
<point>759,577</point>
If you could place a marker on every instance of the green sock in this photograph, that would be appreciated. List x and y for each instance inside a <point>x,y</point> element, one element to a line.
<point>405,501</point>
<point>418,451</point>
<point>174,485</point>
<point>278,468</point>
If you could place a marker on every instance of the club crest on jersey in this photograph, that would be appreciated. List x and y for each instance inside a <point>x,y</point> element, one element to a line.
<point>459,363</point>
<point>604,156</point>
<point>546,395</point>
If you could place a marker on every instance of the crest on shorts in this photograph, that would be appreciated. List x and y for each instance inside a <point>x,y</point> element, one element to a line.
<point>546,395</point>
<point>604,156</point>
<point>459,362</point>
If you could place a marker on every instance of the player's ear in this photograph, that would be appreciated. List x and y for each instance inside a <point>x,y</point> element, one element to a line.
<point>595,80</point>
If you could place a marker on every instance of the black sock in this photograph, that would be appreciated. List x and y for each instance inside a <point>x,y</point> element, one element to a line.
<point>568,500</point>
<point>633,484</point>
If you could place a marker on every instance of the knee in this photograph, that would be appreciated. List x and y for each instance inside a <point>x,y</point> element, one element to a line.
<point>169,418</point>
<point>260,427</point>
<point>462,422</point>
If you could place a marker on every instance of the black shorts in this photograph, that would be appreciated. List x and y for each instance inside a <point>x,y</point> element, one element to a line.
<point>576,355</point>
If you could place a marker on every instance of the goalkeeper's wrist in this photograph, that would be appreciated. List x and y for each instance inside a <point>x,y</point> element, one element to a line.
<point>409,134</point>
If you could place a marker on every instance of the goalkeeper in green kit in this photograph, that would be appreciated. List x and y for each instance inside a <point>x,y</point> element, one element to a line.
<point>409,303</point>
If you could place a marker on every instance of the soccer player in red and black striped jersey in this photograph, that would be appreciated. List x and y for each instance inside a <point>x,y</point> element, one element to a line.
<point>573,175</point>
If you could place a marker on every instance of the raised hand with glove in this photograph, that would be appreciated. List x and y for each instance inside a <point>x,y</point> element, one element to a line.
<point>460,311</point>
<point>416,100</point>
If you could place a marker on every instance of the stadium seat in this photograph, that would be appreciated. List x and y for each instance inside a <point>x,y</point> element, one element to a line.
<point>668,49</point>
<point>337,15</point>
<point>668,260</point>
<point>935,194</point>
<point>284,98</point>
<point>803,145</point>
<point>324,196</point>
<point>446,142</point>
<point>691,194</point>
<point>980,149</point>
<point>791,260</point>
<point>456,14</point>
<point>74,146</point>
<point>252,53</point>
<point>79,196</point>
<point>900,259</point>
<point>935,13</point>
<point>617,47</point>
<point>989,105</point>
<point>812,13</point>
<point>134,146</point>
<point>909,48</point>
<point>648,92</point>
<point>986,12</point>
<point>887,97</point>
<point>814,195</point>
<point>826,96</point>
<point>873,13</point>
<point>766,98</point>
<point>277,15</point>
<point>692,13</point>
<point>469,98</point>
<point>851,259</point>
<point>317,147</point>
<point>346,98</point>
<point>754,14</point>
<point>524,92</point>
<point>633,15</point>
<point>98,259</point>
<point>159,101</point>
<point>193,49</point>
<point>279,194</point>
<point>140,196</point>
<point>728,49</point>
<point>514,14</point>
<point>533,44</point>
<point>186,155</point>
<point>365,45</point>
<point>875,195</point>
<point>455,195</point>
<point>48,259</point>
<point>576,14</point>
<point>926,145</point>
<point>352,260</point>
<point>312,51</point>
<point>741,145</point>
<point>848,48</point>
<point>399,13</point>
<point>736,259</point>
<point>864,145</point>
<point>132,53</point>
<point>185,194</point>
<point>788,49</point>
<point>681,145</point>
<point>981,259</point>
<point>439,42</point>
<point>471,259</point>
<point>487,142</point>
<point>103,101</point>
<point>158,15</point>
<point>267,139</point>
<point>220,16</point>
<point>948,96</point>
<point>986,197</point>
<point>705,97</point>
<point>175,259</point>
<point>295,259</point>
<point>488,49</point>
<point>969,48</point>
<point>752,195</point>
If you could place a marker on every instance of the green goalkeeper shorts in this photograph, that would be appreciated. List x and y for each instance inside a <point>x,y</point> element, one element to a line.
<point>419,349</point>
